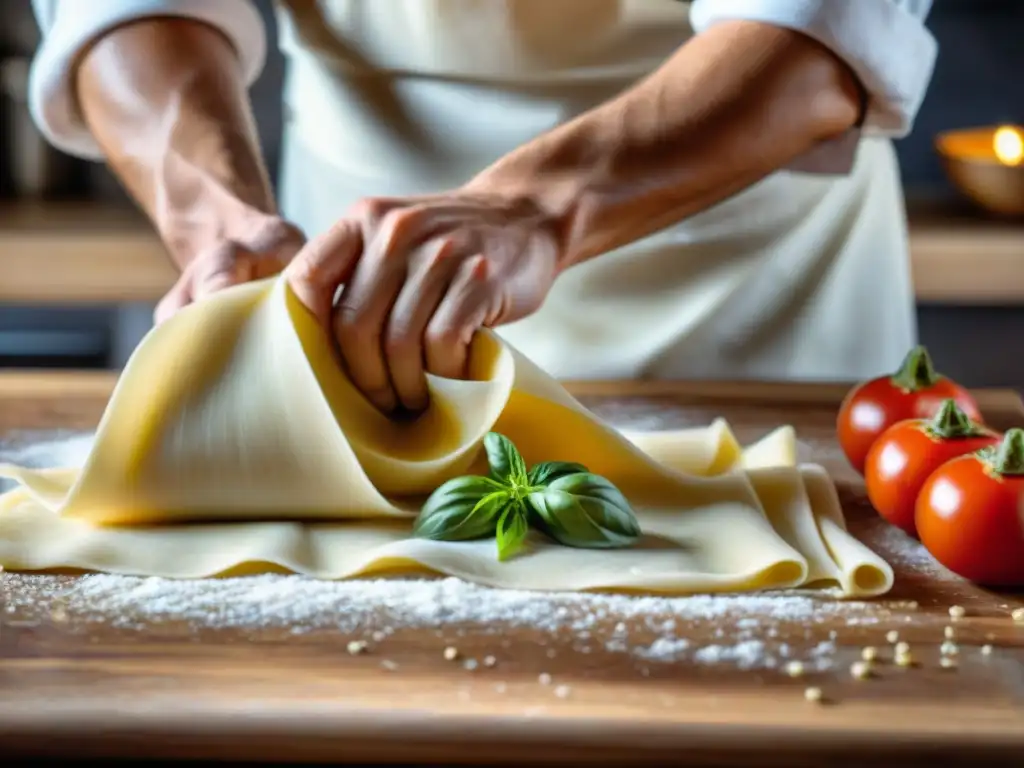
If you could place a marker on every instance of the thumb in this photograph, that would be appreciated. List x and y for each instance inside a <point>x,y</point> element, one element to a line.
<point>218,269</point>
<point>178,297</point>
<point>324,264</point>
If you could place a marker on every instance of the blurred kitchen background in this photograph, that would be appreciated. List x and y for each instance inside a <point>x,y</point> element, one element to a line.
<point>68,219</point>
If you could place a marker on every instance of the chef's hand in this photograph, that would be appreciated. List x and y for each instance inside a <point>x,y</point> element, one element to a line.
<point>420,276</point>
<point>264,248</point>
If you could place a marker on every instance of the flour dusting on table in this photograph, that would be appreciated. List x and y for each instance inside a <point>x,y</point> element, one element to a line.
<point>744,630</point>
<point>653,628</point>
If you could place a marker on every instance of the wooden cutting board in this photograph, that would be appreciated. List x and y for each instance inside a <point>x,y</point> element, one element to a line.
<point>74,684</point>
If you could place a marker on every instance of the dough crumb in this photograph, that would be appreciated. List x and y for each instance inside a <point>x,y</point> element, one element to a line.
<point>947,662</point>
<point>544,678</point>
<point>378,636</point>
<point>949,649</point>
<point>869,653</point>
<point>795,669</point>
<point>949,633</point>
<point>58,612</point>
<point>490,661</point>
<point>355,647</point>
<point>892,636</point>
<point>451,653</point>
<point>902,647</point>
<point>562,691</point>
<point>861,670</point>
<point>389,665</point>
<point>813,694</point>
<point>470,664</point>
<point>1017,614</point>
<point>957,612</point>
<point>986,650</point>
<point>904,659</point>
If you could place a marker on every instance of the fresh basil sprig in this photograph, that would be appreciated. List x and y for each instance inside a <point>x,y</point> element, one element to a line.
<point>462,509</point>
<point>561,499</point>
<point>584,510</point>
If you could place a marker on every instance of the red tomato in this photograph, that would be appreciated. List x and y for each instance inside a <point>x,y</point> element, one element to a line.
<point>915,391</point>
<point>969,514</point>
<point>909,451</point>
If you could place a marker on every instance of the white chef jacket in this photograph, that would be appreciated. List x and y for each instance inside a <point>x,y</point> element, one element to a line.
<point>801,276</point>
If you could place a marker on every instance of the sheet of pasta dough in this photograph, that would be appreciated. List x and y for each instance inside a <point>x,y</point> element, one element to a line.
<point>233,442</point>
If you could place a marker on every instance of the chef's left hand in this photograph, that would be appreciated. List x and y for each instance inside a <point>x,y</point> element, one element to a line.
<point>419,276</point>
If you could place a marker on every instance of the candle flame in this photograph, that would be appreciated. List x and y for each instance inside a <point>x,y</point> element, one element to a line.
<point>1008,144</point>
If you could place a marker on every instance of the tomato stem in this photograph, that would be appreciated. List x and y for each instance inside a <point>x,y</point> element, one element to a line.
<point>1009,458</point>
<point>951,422</point>
<point>916,371</point>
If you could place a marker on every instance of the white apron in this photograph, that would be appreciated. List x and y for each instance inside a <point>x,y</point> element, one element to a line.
<point>799,277</point>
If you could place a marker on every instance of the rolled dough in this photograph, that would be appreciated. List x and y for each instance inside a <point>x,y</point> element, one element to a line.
<point>233,443</point>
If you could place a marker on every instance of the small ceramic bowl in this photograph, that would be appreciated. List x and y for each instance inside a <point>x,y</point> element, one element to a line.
<point>987,166</point>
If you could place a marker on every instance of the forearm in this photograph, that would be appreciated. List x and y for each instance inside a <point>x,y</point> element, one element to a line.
<point>166,101</point>
<point>731,106</point>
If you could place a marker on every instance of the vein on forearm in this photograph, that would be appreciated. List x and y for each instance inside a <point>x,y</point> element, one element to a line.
<point>167,103</point>
<point>728,108</point>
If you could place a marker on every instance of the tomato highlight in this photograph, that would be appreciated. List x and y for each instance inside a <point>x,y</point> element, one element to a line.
<point>970,514</point>
<point>907,453</point>
<point>915,391</point>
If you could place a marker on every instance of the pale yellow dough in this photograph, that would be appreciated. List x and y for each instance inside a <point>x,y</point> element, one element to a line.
<point>234,443</point>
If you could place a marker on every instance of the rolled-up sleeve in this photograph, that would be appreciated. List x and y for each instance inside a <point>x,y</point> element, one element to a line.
<point>885,42</point>
<point>69,26</point>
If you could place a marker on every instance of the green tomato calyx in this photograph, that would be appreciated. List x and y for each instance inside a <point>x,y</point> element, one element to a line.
<point>916,372</point>
<point>951,423</point>
<point>1008,458</point>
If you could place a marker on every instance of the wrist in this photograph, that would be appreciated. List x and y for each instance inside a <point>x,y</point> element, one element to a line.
<point>204,224</point>
<point>535,181</point>
<point>194,210</point>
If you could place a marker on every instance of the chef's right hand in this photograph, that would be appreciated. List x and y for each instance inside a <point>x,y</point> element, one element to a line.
<point>263,249</point>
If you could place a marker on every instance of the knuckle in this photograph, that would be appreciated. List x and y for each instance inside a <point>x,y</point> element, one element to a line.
<point>305,269</point>
<point>479,268</point>
<point>447,247</point>
<point>351,325</point>
<point>371,211</point>
<point>395,228</point>
<point>275,234</point>
<point>443,334</point>
<point>399,341</point>
<point>367,209</point>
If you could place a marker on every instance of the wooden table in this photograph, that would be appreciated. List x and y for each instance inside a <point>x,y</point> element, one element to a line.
<point>91,253</point>
<point>74,689</point>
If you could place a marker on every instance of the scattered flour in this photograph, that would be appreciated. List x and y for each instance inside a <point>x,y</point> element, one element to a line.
<point>657,629</point>
<point>663,648</point>
<point>746,654</point>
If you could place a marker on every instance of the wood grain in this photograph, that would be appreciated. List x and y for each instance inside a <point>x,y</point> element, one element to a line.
<point>83,254</point>
<point>80,686</point>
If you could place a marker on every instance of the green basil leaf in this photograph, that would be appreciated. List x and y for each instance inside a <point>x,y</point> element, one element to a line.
<point>513,528</point>
<point>549,471</point>
<point>507,465</point>
<point>462,509</point>
<point>584,510</point>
